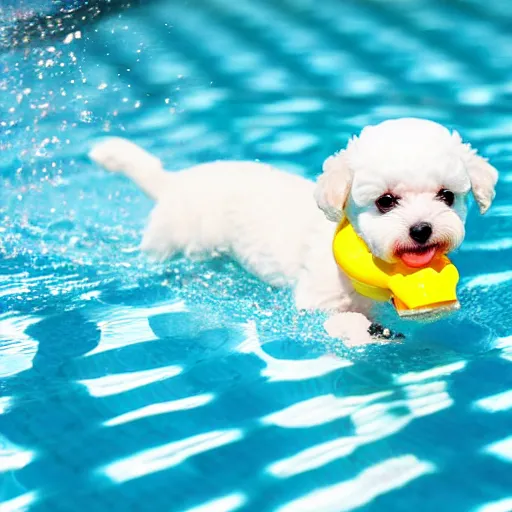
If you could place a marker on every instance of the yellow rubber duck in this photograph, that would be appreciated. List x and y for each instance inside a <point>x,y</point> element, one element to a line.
<point>427,291</point>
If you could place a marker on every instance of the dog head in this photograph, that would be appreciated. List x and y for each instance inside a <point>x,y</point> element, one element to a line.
<point>403,184</point>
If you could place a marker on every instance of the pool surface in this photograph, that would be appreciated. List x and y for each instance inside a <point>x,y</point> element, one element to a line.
<point>129,386</point>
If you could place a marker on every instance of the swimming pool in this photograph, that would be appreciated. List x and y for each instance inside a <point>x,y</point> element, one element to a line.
<point>191,386</point>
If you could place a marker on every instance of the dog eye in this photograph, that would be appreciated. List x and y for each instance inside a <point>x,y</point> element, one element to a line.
<point>447,196</point>
<point>386,203</point>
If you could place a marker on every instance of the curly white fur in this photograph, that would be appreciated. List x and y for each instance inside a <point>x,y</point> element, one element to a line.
<point>280,226</point>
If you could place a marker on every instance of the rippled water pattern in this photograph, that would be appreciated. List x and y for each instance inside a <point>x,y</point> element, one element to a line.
<point>126,386</point>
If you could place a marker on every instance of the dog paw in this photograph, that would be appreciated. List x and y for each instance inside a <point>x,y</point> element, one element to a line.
<point>378,332</point>
<point>352,328</point>
<point>356,330</point>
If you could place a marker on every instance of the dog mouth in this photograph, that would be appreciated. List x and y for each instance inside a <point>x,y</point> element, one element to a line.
<point>418,257</point>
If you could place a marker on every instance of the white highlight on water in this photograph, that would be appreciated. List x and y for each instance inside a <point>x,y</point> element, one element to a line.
<point>314,457</point>
<point>500,210</point>
<point>5,404</point>
<point>21,503</point>
<point>292,142</point>
<point>280,370</point>
<point>121,382</point>
<point>505,344</point>
<point>122,326</point>
<point>501,449</point>
<point>168,455</point>
<point>362,489</point>
<point>504,505</point>
<point>224,504</point>
<point>18,346</point>
<point>488,245</point>
<point>438,371</point>
<point>294,106</point>
<point>496,403</point>
<point>488,280</point>
<point>183,404</point>
<point>319,410</point>
<point>372,422</point>
<point>12,456</point>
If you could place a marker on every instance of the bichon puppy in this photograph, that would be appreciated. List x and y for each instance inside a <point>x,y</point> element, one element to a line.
<point>403,184</point>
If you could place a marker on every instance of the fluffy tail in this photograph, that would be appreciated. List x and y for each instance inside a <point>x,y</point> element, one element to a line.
<point>121,155</point>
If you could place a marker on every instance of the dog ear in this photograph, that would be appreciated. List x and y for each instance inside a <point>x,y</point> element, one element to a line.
<point>482,174</point>
<point>333,186</point>
<point>483,178</point>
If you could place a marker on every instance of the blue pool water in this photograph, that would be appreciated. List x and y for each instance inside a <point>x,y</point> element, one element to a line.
<point>126,386</point>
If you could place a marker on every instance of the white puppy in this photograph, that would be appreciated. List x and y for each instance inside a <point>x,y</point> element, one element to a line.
<point>403,185</point>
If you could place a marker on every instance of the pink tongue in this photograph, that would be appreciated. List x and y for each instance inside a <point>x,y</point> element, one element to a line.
<point>418,259</point>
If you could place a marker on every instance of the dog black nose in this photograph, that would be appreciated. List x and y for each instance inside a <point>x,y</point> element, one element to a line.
<point>421,232</point>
